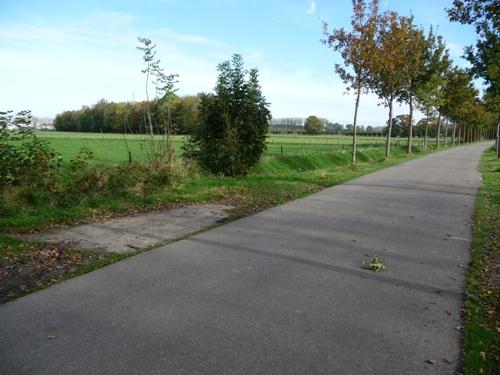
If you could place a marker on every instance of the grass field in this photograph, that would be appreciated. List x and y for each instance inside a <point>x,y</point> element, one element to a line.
<point>113,148</point>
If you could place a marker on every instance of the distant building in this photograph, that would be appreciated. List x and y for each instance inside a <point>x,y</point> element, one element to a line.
<point>287,125</point>
<point>42,123</point>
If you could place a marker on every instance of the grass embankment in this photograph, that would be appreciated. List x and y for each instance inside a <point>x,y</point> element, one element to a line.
<point>481,310</point>
<point>27,266</point>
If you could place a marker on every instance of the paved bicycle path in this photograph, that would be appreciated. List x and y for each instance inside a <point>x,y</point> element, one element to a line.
<point>280,292</point>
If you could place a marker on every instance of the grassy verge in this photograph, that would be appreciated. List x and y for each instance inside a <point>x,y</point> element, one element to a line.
<point>481,310</point>
<point>26,265</point>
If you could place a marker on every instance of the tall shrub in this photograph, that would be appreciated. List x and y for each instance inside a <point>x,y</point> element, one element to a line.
<point>233,123</point>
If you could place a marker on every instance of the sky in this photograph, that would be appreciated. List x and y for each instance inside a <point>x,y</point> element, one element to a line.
<point>60,55</point>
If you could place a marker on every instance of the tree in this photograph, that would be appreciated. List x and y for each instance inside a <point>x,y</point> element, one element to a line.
<point>335,128</point>
<point>313,125</point>
<point>484,15</point>
<point>389,68</point>
<point>429,92</point>
<point>399,127</point>
<point>459,98</point>
<point>234,121</point>
<point>413,58</point>
<point>356,48</point>
<point>185,114</point>
<point>161,154</point>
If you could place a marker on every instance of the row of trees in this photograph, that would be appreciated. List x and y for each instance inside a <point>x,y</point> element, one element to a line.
<point>128,117</point>
<point>111,117</point>
<point>300,125</point>
<point>389,55</point>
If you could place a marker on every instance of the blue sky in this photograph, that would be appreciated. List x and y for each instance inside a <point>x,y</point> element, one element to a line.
<point>57,55</point>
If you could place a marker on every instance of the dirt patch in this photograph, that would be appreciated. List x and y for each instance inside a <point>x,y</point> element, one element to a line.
<point>34,266</point>
<point>136,233</point>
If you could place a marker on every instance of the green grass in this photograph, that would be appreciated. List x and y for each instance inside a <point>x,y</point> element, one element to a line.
<point>481,329</point>
<point>113,148</point>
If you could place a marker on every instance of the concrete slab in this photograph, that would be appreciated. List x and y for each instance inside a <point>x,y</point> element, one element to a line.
<point>128,234</point>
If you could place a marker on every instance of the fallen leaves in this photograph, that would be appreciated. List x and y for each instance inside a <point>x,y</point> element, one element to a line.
<point>34,265</point>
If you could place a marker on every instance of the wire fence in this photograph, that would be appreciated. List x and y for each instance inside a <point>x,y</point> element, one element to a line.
<point>310,147</point>
<point>301,148</point>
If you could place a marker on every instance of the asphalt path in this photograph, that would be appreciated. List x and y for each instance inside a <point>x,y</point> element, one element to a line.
<point>279,292</point>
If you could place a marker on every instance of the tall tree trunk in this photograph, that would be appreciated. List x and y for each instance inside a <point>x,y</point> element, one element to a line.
<point>410,127</point>
<point>426,131</point>
<point>446,132</point>
<point>498,139</point>
<point>389,130</point>
<point>459,133</point>
<point>453,134</point>
<point>439,130</point>
<point>354,126</point>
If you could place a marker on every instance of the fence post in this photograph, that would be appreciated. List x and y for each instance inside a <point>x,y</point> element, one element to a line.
<point>281,147</point>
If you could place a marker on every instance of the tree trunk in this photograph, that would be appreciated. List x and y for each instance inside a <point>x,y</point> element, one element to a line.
<point>446,132</point>
<point>389,130</point>
<point>426,132</point>
<point>354,126</point>
<point>498,139</point>
<point>410,127</point>
<point>453,134</point>
<point>439,130</point>
<point>459,133</point>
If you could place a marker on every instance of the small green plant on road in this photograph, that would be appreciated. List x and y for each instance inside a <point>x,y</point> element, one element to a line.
<point>375,265</point>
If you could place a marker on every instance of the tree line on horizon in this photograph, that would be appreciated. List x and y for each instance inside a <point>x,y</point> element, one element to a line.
<point>129,117</point>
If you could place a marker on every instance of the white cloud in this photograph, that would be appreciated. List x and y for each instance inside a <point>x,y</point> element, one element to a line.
<point>49,69</point>
<point>311,9</point>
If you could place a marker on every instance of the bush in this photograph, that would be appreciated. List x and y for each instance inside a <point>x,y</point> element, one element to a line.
<point>313,126</point>
<point>233,124</point>
<point>24,158</point>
